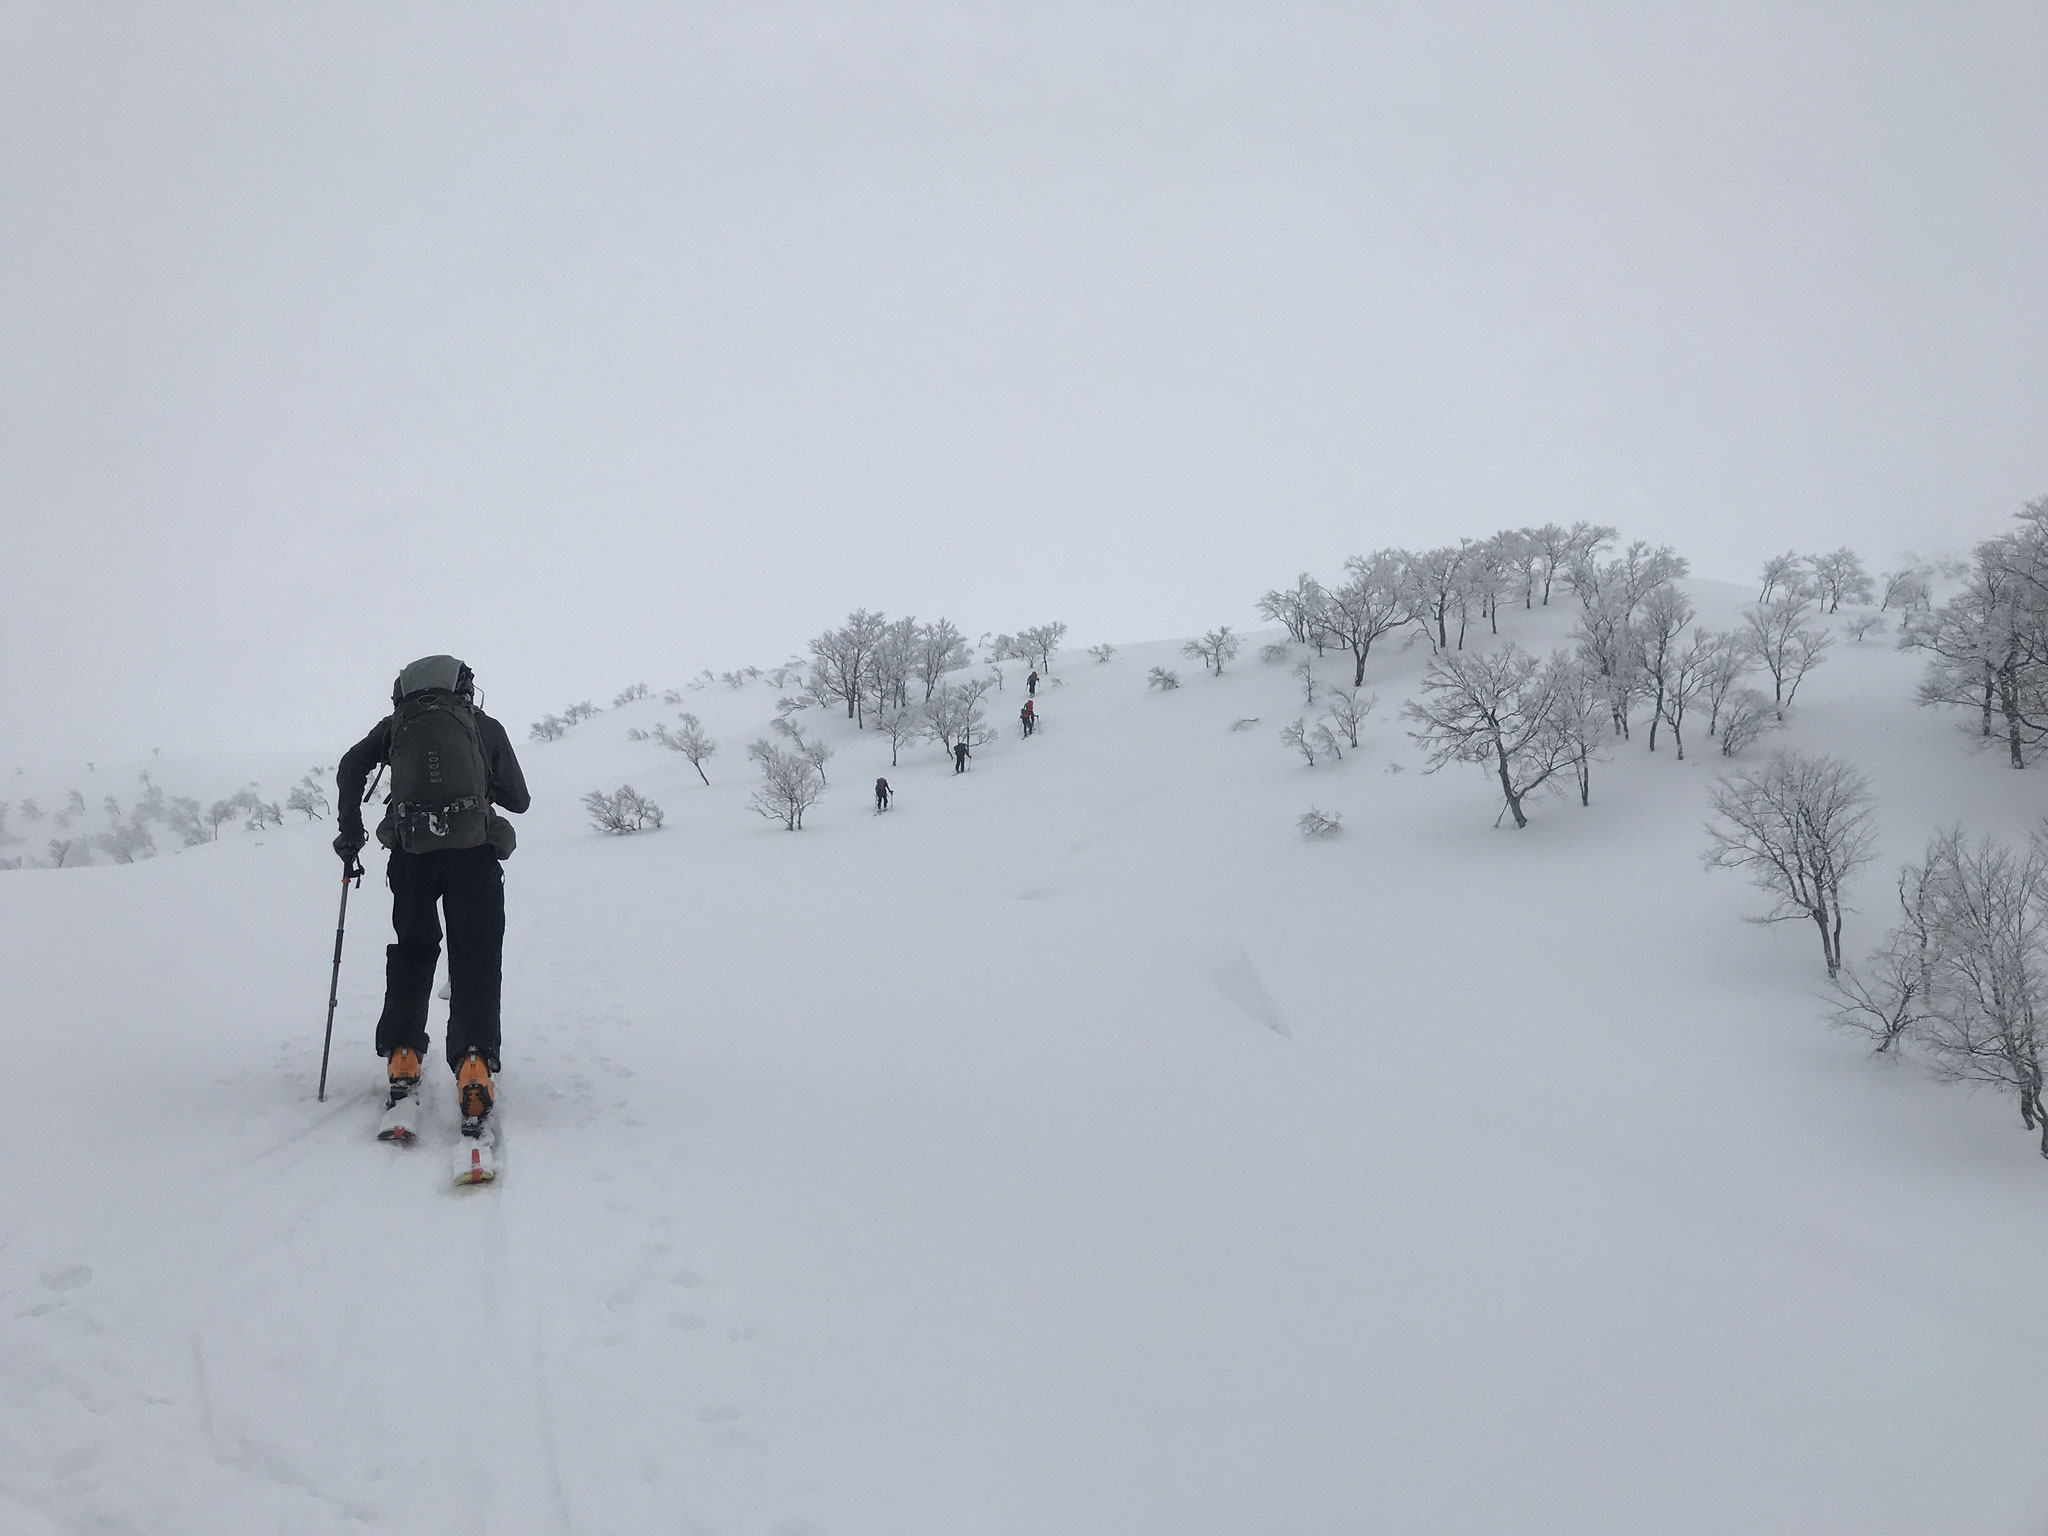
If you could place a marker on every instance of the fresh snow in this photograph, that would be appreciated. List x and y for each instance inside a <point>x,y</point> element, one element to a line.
<point>1074,1149</point>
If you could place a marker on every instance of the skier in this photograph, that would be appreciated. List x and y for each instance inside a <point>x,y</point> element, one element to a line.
<point>883,795</point>
<point>1031,683</point>
<point>450,762</point>
<point>959,757</point>
<point>1029,715</point>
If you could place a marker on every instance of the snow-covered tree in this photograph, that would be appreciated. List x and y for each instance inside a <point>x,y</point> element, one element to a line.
<point>1687,669</point>
<point>1964,978</point>
<point>1730,663</point>
<point>816,752</point>
<point>622,811</point>
<point>842,659</point>
<point>1349,709</point>
<point>1374,599</point>
<point>1037,645</point>
<point>1294,607</point>
<point>790,784</point>
<point>1581,717</point>
<point>1800,827</point>
<point>691,739</point>
<point>1838,577</point>
<point>1497,711</point>
<point>1784,575</point>
<point>956,713</point>
<point>1101,653</point>
<point>1274,655</point>
<point>1654,634</point>
<point>900,724</point>
<point>629,694</point>
<point>1433,588</point>
<point>1316,823</point>
<point>308,796</point>
<point>940,648</point>
<point>1745,715</point>
<point>1780,640</point>
<point>1162,678</point>
<point>1215,648</point>
<point>1909,586</point>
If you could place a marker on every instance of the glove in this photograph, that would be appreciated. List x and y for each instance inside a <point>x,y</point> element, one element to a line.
<point>348,843</point>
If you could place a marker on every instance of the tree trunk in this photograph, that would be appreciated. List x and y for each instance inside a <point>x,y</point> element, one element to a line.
<point>1507,785</point>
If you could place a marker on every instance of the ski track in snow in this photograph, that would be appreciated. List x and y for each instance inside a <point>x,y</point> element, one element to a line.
<point>885,1178</point>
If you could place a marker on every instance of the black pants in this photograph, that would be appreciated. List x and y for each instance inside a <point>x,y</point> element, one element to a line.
<point>470,884</point>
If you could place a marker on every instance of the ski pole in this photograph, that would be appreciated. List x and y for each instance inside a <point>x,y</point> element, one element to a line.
<point>352,874</point>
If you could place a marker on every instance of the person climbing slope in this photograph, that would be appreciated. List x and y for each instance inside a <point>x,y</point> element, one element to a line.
<point>450,763</point>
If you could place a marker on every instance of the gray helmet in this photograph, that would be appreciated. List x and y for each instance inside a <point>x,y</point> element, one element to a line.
<point>448,674</point>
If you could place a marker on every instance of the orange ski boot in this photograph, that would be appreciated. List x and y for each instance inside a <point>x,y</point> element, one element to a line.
<point>402,1108</point>
<point>473,1088</point>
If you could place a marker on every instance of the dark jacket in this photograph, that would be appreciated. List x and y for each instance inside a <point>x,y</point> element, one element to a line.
<point>507,783</point>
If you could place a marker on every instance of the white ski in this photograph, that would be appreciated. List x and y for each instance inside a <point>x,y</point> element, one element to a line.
<point>402,1120</point>
<point>476,1151</point>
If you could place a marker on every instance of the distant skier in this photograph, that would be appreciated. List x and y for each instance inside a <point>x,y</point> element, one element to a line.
<point>1031,683</point>
<point>450,762</point>
<point>883,794</point>
<point>1029,715</point>
<point>959,757</point>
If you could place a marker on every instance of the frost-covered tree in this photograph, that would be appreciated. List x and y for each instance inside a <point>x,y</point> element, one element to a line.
<point>1317,823</point>
<point>1214,649</point>
<point>1838,577</point>
<point>691,739</point>
<point>1433,589</point>
<point>1162,678</point>
<point>1274,655</point>
<point>30,811</point>
<point>1745,715</point>
<point>1860,626</point>
<point>842,659</point>
<point>939,648</point>
<point>1349,709</point>
<point>900,724</point>
<point>309,797</point>
<point>1730,663</point>
<point>957,713</point>
<point>1910,586</point>
<point>1310,683</point>
<point>1374,599</point>
<point>817,753</point>
<point>1988,646</point>
<point>1963,979</point>
<point>1101,653</point>
<point>548,728</point>
<point>790,784</point>
<point>1580,719</point>
<point>1495,710</point>
<point>1298,735</point>
<point>1295,608</point>
<point>1606,644</point>
<point>1784,575</point>
<point>623,811</point>
<point>1800,827</point>
<point>1686,671</point>
<point>629,694</point>
<point>1654,633</point>
<point>125,842</point>
<point>1037,645</point>
<point>1782,643</point>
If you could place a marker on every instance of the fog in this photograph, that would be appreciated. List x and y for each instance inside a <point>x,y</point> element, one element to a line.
<point>601,344</point>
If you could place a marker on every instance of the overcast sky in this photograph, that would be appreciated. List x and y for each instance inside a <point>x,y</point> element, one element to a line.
<point>601,343</point>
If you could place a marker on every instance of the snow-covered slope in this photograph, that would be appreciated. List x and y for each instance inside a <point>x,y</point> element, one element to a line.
<point>1072,1150</point>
